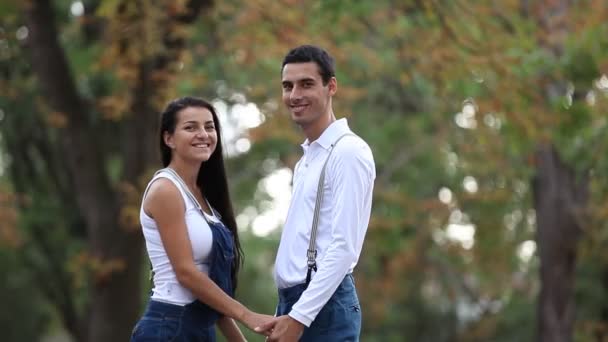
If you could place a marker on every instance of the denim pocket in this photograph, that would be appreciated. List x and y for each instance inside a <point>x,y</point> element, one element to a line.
<point>341,313</point>
<point>347,299</point>
<point>150,329</point>
<point>147,329</point>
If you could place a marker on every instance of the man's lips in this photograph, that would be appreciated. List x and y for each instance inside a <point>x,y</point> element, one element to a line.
<point>298,108</point>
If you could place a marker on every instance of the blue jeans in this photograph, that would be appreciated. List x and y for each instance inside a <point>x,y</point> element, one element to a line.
<point>340,318</point>
<point>170,322</point>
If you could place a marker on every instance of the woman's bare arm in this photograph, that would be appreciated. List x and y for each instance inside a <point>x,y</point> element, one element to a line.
<point>230,330</point>
<point>165,204</point>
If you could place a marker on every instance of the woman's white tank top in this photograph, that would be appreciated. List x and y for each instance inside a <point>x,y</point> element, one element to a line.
<point>166,287</point>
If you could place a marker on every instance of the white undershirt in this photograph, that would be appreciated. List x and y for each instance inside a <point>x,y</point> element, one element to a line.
<point>166,286</point>
<point>344,217</point>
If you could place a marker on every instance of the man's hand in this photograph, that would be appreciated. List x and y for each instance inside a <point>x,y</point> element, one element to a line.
<point>282,329</point>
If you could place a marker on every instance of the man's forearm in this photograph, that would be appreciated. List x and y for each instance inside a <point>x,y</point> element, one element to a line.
<point>331,272</point>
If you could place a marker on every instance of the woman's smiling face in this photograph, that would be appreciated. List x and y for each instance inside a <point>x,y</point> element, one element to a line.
<point>195,136</point>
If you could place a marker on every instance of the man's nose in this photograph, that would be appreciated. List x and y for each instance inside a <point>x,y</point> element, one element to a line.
<point>295,94</point>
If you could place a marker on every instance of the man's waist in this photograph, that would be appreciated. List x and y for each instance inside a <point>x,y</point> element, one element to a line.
<point>293,293</point>
<point>285,279</point>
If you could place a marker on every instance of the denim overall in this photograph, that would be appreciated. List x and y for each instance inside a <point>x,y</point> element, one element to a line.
<point>195,321</point>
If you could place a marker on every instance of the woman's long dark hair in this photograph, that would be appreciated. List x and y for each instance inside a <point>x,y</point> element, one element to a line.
<point>211,174</point>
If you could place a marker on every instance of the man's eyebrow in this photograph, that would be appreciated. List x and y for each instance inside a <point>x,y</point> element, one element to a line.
<point>305,79</point>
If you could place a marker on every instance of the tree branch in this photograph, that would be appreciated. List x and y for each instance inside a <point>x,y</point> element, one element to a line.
<point>443,22</point>
<point>49,62</point>
<point>141,151</point>
<point>194,8</point>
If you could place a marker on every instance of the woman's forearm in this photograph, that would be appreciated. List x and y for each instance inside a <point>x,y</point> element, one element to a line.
<point>230,330</point>
<point>209,293</point>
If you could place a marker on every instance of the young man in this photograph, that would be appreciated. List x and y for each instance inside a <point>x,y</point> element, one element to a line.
<point>327,308</point>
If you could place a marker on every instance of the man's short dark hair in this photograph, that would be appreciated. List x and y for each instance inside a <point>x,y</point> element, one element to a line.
<point>311,53</point>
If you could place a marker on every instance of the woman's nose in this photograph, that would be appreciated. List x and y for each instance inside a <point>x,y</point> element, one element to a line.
<point>201,133</point>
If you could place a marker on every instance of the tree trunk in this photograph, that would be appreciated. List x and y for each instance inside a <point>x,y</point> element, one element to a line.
<point>601,331</point>
<point>559,199</point>
<point>114,300</point>
<point>115,251</point>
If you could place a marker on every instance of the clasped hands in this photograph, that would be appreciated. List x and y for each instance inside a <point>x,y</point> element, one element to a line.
<point>281,329</point>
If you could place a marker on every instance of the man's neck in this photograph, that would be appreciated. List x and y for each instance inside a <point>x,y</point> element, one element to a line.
<point>314,131</point>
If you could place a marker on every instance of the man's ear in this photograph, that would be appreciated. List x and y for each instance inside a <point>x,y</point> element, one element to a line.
<point>332,86</point>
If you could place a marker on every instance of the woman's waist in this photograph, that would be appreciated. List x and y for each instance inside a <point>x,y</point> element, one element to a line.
<point>193,312</point>
<point>172,293</point>
<point>164,272</point>
<point>167,288</point>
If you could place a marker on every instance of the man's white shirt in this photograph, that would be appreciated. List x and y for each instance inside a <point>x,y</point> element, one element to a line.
<point>343,217</point>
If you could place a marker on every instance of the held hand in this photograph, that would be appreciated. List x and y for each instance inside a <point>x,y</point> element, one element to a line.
<point>282,329</point>
<point>267,328</point>
<point>253,320</point>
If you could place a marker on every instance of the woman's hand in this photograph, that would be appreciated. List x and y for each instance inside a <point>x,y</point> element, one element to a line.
<point>253,320</point>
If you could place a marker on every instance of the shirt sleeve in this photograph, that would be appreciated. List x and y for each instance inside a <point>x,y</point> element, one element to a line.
<point>351,174</point>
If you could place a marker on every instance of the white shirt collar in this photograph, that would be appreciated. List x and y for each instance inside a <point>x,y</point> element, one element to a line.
<point>330,134</point>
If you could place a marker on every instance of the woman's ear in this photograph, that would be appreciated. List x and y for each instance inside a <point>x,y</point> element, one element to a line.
<point>168,138</point>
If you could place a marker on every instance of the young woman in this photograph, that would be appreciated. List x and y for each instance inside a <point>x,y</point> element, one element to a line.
<point>191,234</point>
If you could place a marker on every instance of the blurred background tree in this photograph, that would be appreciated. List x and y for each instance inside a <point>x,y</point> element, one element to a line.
<point>487,121</point>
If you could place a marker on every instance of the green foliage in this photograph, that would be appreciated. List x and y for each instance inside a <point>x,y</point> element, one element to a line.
<point>25,319</point>
<point>406,72</point>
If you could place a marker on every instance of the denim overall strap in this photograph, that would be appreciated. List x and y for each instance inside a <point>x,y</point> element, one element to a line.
<point>220,265</point>
<point>222,257</point>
